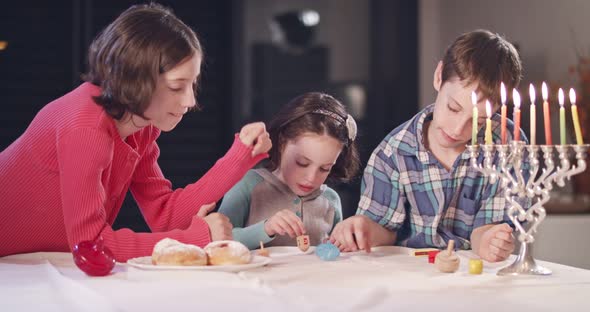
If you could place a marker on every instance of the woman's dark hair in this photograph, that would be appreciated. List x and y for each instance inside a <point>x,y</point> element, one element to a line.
<point>484,57</point>
<point>317,113</point>
<point>127,57</point>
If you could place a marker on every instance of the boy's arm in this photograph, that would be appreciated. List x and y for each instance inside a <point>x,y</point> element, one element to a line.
<point>492,237</point>
<point>494,206</point>
<point>381,208</point>
<point>382,192</point>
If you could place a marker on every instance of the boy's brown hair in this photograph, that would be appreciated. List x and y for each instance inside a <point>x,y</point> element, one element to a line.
<point>317,113</point>
<point>486,58</point>
<point>127,57</point>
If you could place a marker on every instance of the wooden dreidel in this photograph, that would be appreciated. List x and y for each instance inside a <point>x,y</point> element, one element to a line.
<point>475,266</point>
<point>447,261</point>
<point>303,242</point>
<point>263,252</point>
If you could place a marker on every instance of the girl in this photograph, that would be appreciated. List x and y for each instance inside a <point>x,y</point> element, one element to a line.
<point>313,140</point>
<point>64,180</point>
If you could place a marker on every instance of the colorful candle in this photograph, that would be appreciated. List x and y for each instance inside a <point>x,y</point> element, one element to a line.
<point>503,112</point>
<point>488,138</point>
<point>546,114</point>
<point>561,99</point>
<point>516,99</point>
<point>575,118</point>
<point>474,120</point>
<point>533,115</point>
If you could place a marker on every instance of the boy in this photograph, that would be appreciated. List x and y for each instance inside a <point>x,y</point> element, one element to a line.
<point>419,189</point>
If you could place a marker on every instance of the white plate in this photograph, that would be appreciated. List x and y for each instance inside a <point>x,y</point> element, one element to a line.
<point>285,251</point>
<point>145,263</point>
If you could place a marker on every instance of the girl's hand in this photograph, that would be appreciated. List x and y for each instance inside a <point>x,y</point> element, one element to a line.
<point>255,135</point>
<point>284,222</point>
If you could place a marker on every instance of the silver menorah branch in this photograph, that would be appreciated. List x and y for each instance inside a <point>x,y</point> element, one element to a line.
<point>523,184</point>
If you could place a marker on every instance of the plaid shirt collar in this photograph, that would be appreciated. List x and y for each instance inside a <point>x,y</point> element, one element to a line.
<point>414,137</point>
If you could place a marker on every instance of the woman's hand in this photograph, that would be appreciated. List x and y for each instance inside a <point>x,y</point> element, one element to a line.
<point>255,135</point>
<point>219,225</point>
<point>284,222</point>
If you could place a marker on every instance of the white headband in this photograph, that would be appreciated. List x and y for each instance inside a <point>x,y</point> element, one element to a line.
<point>348,122</point>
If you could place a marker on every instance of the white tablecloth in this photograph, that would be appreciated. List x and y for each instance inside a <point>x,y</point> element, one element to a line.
<point>388,279</point>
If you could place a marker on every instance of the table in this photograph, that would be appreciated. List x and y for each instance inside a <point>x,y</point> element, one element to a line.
<point>388,279</point>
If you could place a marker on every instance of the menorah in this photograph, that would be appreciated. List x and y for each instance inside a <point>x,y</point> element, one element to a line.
<point>524,183</point>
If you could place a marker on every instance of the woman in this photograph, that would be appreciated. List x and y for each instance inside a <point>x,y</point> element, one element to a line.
<point>64,180</point>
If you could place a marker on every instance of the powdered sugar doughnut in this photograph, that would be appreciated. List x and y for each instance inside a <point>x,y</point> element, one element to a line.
<point>227,252</point>
<point>172,252</point>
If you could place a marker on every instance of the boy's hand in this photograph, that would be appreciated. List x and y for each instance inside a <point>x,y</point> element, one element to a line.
<point>255,135</point>
<point>219,225</point>
<point>353,234</point>
<point>284,222</point>
<point>497,243</point>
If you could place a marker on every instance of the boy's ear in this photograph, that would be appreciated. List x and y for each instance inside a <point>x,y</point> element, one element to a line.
<point>437,81</point>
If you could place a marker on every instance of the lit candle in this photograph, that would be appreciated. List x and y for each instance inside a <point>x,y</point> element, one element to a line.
<point>516,99</point>
<point>533,114</point>
<point>577,128</point>
<point>488,138</point>
<point>561,99</point>
<point>546,114</point>
<point>474,120</point>
<point>503,112</point>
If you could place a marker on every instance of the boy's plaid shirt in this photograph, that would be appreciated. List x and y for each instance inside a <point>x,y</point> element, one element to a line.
<point>406,189</point>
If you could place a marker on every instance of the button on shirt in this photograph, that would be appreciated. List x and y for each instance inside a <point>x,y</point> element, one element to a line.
<point>407,190</point>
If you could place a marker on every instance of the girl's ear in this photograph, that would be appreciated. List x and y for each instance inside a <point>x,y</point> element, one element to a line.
<point>437,81</point>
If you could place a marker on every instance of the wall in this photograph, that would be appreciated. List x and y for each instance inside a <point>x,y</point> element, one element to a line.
<point>343,27</point>
<point>564,239</point>
<point>542,29</point>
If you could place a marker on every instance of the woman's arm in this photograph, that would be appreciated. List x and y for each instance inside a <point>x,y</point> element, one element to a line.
<point>165,209</point>
<point>84,156</point>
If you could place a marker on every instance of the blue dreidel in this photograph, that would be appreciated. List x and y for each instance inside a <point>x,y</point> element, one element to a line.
<point>327,251</point>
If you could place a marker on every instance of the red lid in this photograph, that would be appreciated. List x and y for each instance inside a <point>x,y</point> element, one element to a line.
<point>432,255</point>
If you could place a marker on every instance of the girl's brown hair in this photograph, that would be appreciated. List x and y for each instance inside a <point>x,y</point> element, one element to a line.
<point>483,57</point>
<point>127,57</point>
<point>316,113</point>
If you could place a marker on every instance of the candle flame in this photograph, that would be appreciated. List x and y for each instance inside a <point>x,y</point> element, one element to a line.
<point>473,98</point>
<point>560,97</point>
<point>516,98</point>
<point>503,93</point>
<point>572,96</point>
<point>532,94</point>
<point>544,91</point>
<point>488,109</point>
